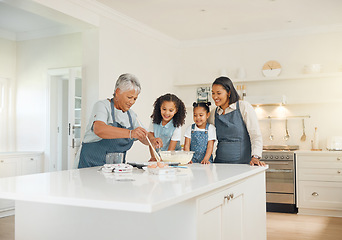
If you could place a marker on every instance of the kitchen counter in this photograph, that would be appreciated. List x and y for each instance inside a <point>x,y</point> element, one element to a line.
<point>87,195</point>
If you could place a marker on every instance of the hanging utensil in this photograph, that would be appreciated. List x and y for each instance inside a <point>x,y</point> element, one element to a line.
<point>287,135</point>
<point>271,135</point>
<point>303,138</point>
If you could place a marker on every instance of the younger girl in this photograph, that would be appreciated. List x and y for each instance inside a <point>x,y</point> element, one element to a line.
<point>167,118</point>
<point>200,136</point>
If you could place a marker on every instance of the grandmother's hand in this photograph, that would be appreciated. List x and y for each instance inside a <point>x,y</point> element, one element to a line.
<point>139,133</point>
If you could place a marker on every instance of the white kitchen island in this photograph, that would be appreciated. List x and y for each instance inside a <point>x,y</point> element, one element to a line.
<point>216,201</point>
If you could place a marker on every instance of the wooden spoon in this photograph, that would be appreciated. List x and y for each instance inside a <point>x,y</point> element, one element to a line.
<point>303,138</point>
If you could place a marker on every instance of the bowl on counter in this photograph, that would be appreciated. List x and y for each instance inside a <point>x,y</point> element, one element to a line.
<point>182,157</point>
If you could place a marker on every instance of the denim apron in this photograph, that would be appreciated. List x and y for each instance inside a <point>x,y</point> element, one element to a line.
<point>199,143</point>
<point>165,133</point>
<point>234,144</point>
<point>94,153</point>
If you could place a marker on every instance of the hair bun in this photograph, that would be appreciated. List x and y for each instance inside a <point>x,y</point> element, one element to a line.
<point>194,104</point>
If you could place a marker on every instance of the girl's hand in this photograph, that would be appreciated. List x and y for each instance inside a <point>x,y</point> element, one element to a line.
<point>139,133</point>
<point>157,143</point>
<point>152,159</point>
<point>205,162</point>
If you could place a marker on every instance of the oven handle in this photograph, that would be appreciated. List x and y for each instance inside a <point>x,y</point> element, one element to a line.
<point>279,170</point>
<point>277,163</point>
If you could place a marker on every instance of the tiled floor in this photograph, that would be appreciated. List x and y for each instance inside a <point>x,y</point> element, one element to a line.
<point>280,226</point>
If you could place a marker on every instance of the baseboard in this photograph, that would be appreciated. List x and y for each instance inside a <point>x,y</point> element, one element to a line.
<point>7,212</point>
<point>320,212</point>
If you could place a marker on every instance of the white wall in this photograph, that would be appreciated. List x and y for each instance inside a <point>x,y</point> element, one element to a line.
<point>125,50</point>
<point>34,58</point>
<point>322,96</point>
<point>8,72</point>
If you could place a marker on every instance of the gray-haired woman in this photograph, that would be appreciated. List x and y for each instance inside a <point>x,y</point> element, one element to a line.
<point>113,126</point>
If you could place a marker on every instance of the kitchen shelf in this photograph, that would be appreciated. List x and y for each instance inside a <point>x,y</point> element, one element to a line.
<point>265,79</point>
<point>284,118</point>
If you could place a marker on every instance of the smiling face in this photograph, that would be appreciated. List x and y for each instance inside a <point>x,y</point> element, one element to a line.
<point>168,110</point>
<point>200,117</point>
<point>220,96</point>
<point>125,100</point>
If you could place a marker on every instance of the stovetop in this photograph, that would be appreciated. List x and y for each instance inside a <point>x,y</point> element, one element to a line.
<point>280,147</point>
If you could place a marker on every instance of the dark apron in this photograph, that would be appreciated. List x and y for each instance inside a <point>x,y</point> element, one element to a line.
<point>234,144</point>
<point>94,153</point>
<point>199,143</point>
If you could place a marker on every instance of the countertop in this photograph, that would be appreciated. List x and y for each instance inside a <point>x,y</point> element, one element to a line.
<point>146,193</point>
<point>323,152</point>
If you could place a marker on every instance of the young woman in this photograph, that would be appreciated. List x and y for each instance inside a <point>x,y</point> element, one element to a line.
<point>237,128</point>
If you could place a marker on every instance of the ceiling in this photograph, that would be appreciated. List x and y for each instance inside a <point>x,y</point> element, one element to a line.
<point>16,20</point>
<point>201,19</point>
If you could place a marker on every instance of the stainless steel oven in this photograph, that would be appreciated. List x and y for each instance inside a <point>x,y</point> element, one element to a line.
<point>280,178</point>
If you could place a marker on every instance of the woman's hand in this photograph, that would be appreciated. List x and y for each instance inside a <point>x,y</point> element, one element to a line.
<point>205,162</point>
<point>257,162</point>
<point>139,133</point>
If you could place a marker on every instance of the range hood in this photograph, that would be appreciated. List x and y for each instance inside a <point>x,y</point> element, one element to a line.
<point>266,100</point>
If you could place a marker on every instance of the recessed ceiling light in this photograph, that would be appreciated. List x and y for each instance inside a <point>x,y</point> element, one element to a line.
<point>202,10</point>
<point>289,21</point>
<point>225,28</point>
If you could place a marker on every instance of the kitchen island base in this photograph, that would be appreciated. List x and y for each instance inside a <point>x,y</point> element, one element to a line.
<point>235,211</point>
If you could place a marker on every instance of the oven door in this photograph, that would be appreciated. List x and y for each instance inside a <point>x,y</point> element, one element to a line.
<point>280,186</point>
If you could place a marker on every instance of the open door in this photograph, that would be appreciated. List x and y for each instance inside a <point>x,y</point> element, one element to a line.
<point>64,116</point>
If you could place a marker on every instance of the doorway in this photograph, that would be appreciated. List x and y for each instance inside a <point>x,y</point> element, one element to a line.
<point>65,111</point>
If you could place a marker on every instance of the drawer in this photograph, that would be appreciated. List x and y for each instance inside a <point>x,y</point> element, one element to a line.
<point>319,161</point>
<point>320,195</point>
<point>324,174</point>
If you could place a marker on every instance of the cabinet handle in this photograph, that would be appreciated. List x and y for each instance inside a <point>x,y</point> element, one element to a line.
<point>338,159</point>
<point>31,159</point>
<point>227,197</point>
<point>2,160</point>
<point>314,194</point>
<point>338,171</point>
<point>231,195</point>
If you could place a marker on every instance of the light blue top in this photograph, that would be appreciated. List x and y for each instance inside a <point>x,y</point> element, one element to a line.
<point>167,133</point>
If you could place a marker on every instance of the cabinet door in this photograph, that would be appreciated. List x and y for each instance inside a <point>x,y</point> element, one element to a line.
<point>210,210</point>
<point>233,216</point>
<point>320,195</point>
<point>10,167</point>
<point>29,165</point>
<point>221,214</point>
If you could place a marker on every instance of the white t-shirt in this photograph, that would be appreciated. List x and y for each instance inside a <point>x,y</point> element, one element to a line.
<point>211,131</point>
<point>177,133</point>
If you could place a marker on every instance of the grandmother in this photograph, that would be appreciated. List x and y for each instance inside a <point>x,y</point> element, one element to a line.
<point>113,126</point>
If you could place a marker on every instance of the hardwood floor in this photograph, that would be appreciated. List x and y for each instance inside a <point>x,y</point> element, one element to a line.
<point>7,228</point>
<point>280,226</point>
<point>283,226</point>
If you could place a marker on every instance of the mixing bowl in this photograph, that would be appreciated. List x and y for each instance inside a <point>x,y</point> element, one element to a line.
<point>182,157</point>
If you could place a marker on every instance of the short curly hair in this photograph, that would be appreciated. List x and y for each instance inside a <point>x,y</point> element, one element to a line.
<point>178,118</point>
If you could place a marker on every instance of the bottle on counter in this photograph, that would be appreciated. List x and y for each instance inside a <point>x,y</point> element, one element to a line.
<point>316,139</point>
<point>244,94</point>
<point>238,89</point>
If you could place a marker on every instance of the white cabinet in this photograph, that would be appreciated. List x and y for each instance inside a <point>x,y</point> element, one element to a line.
<point>236,212</point>
<point>10,166</point>
<point>319,183</point>
<point>16,164</point>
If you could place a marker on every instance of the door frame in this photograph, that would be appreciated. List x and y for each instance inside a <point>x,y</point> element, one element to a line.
<point>51,161</point>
